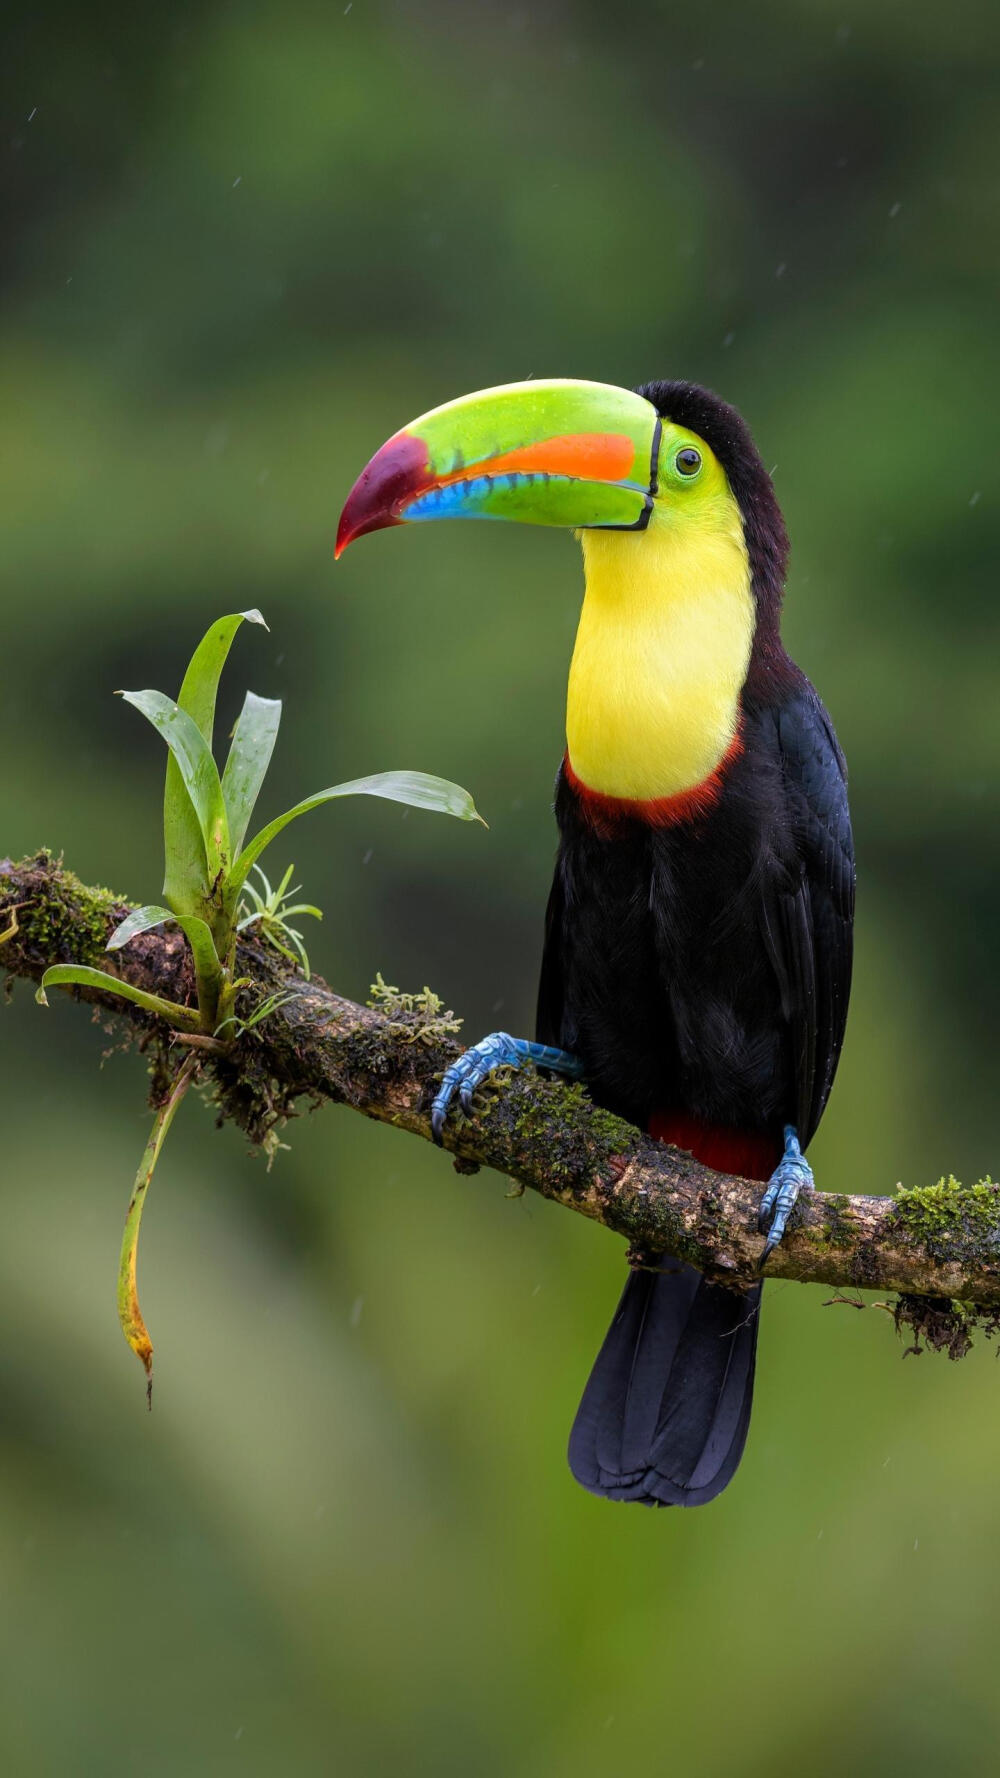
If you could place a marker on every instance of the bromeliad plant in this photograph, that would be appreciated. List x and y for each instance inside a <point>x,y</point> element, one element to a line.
<point>208,861</point>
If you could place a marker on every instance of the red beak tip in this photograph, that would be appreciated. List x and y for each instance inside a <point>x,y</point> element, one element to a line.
<point>395,474</point>
<point>347,530</point>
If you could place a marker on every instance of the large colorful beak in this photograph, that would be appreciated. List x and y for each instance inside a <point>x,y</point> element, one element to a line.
<point>581,455</point>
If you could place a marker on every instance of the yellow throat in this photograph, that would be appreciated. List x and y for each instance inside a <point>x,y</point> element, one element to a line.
<point>661,652</point>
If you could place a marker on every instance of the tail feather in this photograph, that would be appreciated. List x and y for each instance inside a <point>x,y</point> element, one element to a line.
<point>665,1413</point>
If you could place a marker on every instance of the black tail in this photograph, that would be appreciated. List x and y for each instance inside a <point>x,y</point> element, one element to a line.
<point>664,1416</point>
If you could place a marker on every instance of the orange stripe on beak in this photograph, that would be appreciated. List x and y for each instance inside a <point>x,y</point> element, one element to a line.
<point>589,456</point>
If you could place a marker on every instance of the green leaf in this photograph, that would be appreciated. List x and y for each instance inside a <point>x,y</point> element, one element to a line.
<point>186,882</point>
<point>249,757</point>
<point>139,920</point>
<point>198,934</point>
<point>419,789</point>
<point>78,975</point>
<point>199,775</point>
<point>200,685</point>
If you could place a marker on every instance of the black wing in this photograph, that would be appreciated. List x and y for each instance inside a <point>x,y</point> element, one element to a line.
<point>809,906</point>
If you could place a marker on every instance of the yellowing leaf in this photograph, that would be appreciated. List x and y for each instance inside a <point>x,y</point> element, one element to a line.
<point>129,1313</point>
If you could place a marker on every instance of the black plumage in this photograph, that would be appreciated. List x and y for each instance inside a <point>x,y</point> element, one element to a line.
<point>701,971</point>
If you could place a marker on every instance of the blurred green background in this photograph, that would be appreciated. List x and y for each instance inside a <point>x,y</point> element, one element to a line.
<point>242,244</point>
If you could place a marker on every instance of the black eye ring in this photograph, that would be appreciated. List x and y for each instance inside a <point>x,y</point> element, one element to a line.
<point>688,461</point>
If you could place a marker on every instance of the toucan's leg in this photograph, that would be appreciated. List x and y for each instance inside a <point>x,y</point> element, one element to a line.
<point>792,1173</point>
<point>496,1051</point>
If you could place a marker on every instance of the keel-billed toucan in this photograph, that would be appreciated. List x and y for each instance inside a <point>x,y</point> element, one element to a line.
<point>697,954</point>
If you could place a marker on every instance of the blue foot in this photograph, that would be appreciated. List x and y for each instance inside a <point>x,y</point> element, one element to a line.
<point>496,1051</point>
<point>790,1176</point>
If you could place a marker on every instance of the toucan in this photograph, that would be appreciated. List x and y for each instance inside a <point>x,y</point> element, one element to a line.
<point>698,938</point>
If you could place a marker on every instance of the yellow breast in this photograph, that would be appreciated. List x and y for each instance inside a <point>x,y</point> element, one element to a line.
<point>661,655</point>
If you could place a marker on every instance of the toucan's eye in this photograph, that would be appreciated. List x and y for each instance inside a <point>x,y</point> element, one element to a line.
<point>688,461</point>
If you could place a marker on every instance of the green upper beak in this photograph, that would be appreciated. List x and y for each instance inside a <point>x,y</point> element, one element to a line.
<point>556,453</point>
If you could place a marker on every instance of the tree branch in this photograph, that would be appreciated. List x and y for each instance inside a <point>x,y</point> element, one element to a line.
<point>385,1060</point>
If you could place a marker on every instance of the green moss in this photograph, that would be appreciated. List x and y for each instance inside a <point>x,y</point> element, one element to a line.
<point>68,922</point>
<point>953,1221</point>
<point>417,1018</point>
<point>545,1114</point>
<point>534,1116</point>
<point>841,1231</point>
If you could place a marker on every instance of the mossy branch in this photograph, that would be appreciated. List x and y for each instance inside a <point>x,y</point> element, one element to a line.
<point>939,1242</point>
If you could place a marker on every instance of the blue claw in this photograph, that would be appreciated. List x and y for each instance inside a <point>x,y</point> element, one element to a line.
<point>792,1174</point>
<point>499,1050</point>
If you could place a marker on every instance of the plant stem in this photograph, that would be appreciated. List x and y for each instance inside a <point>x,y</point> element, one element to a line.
<point>129,1312</point>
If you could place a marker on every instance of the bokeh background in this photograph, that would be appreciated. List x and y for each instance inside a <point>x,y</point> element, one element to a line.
<point>243,243</point>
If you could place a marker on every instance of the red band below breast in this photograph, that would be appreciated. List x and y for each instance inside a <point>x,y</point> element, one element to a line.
<point>607,814</point>
<point>751,1154</point>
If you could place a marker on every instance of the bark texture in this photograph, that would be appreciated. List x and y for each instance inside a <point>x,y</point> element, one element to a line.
<point>939,1242</point>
